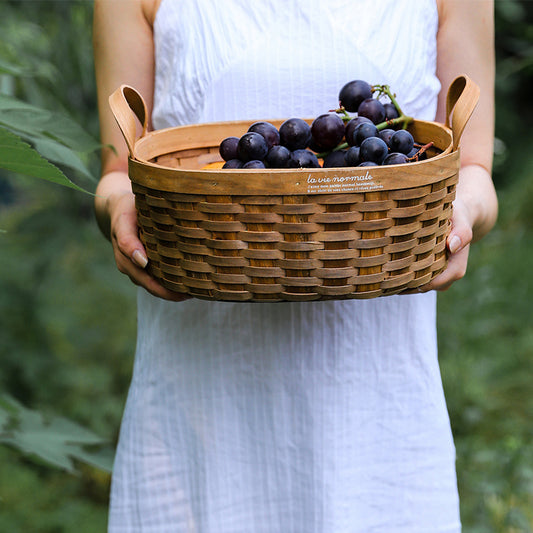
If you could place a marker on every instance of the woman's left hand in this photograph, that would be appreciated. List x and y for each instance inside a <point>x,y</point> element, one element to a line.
<point>458,246</point>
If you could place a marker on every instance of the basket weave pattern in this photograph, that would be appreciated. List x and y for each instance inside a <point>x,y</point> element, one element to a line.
<point>296,248</point>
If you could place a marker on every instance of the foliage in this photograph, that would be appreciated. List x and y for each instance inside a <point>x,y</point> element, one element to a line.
<point>54,439</point>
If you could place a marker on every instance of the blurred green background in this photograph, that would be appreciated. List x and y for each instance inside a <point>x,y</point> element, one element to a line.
<point>67,326</point>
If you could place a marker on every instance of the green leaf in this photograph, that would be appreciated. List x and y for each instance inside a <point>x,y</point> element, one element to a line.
<point>28,120</point>
<point>54,440</point>
<point>62,155</point>
<point>17,156</point>
<point>7,67</point>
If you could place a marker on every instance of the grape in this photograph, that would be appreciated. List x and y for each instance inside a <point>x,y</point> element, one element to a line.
<point>335,159</point>
<point>228,148</point>
<point>233,163</point>
<point>395,158</point>
<point>278,157</point>
<point>252,146</point>
<point>295,134</point>
<point>390,111</point>
<point>386,134</point>
<point>327,130</point>
<point>352,156</point>
<point>372,109</point>
<point>353,93</point>
<point>267,130</point>
<point>303,159</point>
<point>402,141</point>
<point>362,132</point>
<point>373,149</point>
<point>368,164</point>
<point>350,127</point>
<point>254,164</point>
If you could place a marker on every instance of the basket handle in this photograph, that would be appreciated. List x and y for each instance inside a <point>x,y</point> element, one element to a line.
<point>127,105</point>
<point>462,98</point>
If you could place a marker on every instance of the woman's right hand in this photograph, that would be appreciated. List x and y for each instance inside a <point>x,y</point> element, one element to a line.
<point>129,251</point>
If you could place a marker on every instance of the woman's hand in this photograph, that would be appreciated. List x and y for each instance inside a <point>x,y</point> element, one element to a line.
<point>458,246</point>
<point>117,217</point>
<point>475,210</point>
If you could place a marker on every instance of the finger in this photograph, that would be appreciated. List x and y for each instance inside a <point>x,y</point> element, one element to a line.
<point>126,237</point>
<point>461,230</point>
<point>455,270</point>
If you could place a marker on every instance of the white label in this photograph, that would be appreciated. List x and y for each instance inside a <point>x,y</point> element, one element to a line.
<point>355,183</point>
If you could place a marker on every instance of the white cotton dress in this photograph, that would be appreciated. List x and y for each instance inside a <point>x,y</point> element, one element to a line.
<point>318,417</point>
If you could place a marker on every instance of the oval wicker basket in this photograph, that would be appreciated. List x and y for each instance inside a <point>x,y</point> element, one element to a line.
<point>290,235</point>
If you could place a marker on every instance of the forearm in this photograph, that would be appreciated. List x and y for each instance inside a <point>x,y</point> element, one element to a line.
<point>113,185</point>
<point>476,191</point>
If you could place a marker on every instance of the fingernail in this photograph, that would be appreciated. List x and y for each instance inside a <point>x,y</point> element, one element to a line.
<point>139,259</point>
<point>455,244</point>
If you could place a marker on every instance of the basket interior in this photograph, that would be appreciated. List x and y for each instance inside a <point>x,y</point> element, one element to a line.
<point>199,143</point>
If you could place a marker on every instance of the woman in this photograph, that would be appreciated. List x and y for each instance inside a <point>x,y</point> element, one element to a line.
<point>325,416</point>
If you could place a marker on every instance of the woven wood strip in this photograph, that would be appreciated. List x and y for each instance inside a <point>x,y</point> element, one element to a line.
<point>260,236</point>
<point>306,246</point>
<point>264,288</point>
<point>225,208</point>
<point>264,254</point>
<point>304,281</point>
<point>370,261</point>
<point>335,254</point>
<point>263,272</point>
<point>342,217</point>
<point>298,209</point>
<point>334,273</point>
<point>376,205</point>
<point>397,281</point>
<point>220,244</point>
<point>187,214</point>
<point>232,296</point>
<point>336,290</point>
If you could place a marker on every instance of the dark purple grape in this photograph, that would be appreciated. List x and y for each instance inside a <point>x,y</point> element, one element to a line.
<point>327,130</point>
<point>350,127</point>
<point>233,163</point>
<point>268,131</point>
<point>295,134</point>
<point>390,111</point>
<point>368,164</point>
<point>335,159</point>
<point>254,164</point>
<point>278,157</point>
<point>386,134</point>
<point>362,132</point>
<point>373,109</point>
<point>228,148</point>
<point>353,93</point>
<point>402,141</point>
<point>303,159</point>
<point>396,158</point>
<point>373,149</point>
<point>352,156</point>
<point>252,146</point>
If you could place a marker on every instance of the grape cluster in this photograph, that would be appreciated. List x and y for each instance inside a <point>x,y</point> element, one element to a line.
<point>363,131</point>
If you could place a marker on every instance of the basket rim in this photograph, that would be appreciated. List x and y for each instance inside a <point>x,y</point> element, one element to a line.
<point>271,182</point>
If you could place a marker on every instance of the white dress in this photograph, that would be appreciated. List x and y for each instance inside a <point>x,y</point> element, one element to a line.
<point>320,417</point>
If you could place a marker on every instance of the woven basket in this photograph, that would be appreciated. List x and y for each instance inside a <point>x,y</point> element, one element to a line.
<point>298,234</point>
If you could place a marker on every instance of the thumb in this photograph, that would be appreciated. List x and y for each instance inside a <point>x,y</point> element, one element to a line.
<point>461,231</point>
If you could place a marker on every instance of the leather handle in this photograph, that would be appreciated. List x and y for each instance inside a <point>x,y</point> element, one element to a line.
<point>461,100</point>
<point>128,107</point>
